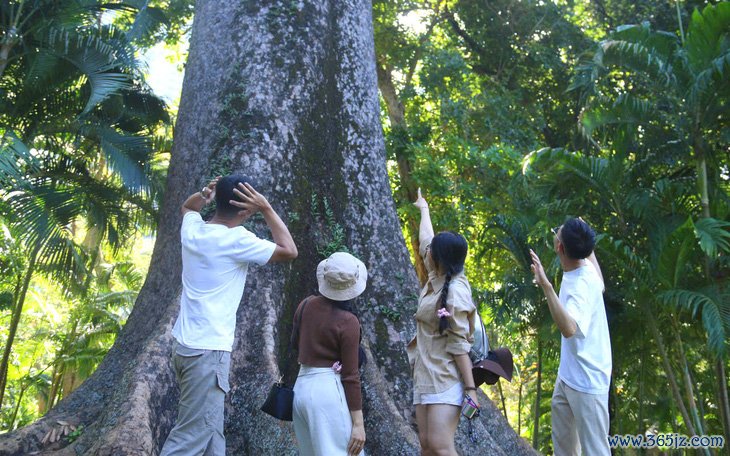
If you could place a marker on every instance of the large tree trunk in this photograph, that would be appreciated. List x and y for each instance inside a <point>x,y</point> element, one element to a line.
<point>286,93</point>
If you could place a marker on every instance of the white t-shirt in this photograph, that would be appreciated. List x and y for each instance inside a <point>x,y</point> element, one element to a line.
<point>215,261</point>
<point>585,358</point>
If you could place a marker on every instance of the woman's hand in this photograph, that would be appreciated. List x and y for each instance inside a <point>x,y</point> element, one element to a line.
<point>420,202</point>
<point>357,436</point>
<point>473,395</point>
<point>357,440</point>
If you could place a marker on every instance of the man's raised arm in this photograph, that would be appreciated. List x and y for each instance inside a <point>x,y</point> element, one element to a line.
<point>252,202</point>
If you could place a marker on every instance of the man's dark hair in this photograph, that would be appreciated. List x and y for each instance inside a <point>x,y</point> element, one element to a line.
<point>224,193</point>
<point>578,239</point>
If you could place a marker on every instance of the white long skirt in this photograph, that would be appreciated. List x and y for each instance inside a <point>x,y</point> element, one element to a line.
<point>322,421</point>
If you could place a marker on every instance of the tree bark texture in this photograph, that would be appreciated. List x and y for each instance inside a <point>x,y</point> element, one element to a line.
<point>286,93</point>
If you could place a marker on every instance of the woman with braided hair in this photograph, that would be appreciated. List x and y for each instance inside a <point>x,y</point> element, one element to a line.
<point>439,353</point>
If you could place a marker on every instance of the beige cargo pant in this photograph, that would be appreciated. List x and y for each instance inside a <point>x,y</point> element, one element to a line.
<point>580,422</point>
<point>203,379</point>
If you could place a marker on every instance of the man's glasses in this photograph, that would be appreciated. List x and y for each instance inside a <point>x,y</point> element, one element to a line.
<point>555,231</point>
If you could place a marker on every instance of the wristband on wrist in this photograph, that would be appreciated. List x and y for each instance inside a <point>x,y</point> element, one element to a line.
<point>470,388</point>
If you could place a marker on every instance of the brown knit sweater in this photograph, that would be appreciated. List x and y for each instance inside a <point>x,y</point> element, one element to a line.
<point>328,334</point>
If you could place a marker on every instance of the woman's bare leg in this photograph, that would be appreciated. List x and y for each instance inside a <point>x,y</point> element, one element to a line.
<point>441,421</point>
<point>422,423</point>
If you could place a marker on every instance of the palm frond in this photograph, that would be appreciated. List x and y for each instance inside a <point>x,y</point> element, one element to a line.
<point>147,21</point>
<point>622,253</point>
<point>706,31</point>
<point>123,298</point>
<point>713,307</point>
<point>718,70</point>
<point>513,237</point>
<point>103,85</point>
<point>603,176</point>
<point>15,161</point>
<point>43,69</point>
<point>145,107</point>
<point>47,213</point>
<point>663,43</point>
<point>129,275</point>
<point>626,109</point>
<point>713,235</point>
<point>99,61</point>
<point>672,264</point>
<point>104,202</point>
<point>632,47</point>
<point>585,78</point>
<point>126,155</point>
<point>639,57</point>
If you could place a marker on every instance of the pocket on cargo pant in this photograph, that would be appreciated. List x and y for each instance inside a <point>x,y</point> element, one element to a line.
<point>215,403</point>
<point>222,370</point>
<point>222,380</point>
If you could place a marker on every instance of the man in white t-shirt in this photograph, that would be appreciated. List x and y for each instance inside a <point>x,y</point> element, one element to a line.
<point>215,257</point>
<point>580,398</point>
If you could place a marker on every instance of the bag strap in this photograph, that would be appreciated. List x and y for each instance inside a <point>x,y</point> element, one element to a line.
<point>294,341</point>
<point>473,354</point>
<point>485,341</point>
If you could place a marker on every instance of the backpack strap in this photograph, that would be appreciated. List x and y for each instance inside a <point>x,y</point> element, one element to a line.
<point>478,355</point>
<point>485,341</point>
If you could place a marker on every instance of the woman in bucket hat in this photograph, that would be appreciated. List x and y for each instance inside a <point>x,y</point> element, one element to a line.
<point>327,414</point>
<point>439,353</point>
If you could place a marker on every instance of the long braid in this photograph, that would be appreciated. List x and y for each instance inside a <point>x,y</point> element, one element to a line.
<point>448,251</point>
<point>444,321</point>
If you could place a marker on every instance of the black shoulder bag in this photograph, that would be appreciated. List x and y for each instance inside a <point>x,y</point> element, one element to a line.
<point>280,401</point>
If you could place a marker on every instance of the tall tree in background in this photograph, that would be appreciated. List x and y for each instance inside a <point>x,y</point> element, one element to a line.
<point>285,93</point>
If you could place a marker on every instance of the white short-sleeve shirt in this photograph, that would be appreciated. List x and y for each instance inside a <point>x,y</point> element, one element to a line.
<point>585,358</point>
<point>215,262</point>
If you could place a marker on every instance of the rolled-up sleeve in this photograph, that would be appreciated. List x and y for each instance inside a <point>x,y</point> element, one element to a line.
<point>460,335</point>
<point>412,351</point>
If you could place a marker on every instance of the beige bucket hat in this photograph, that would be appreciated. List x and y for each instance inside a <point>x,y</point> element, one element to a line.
<point>341,277</point>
